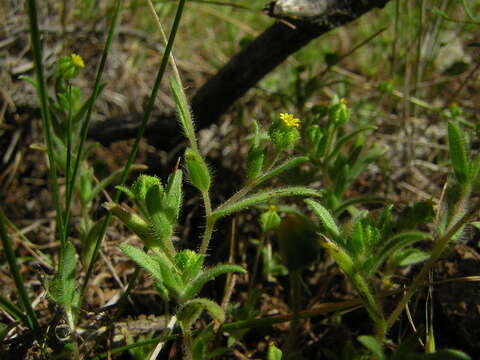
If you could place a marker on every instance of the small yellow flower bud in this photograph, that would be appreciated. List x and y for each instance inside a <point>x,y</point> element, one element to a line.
<point>77,60</point>
<point>289,120</point>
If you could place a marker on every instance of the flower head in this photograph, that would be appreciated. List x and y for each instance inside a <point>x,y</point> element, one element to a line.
<point>289,120</point>
<point>77,60</point>
<point>283,132</point>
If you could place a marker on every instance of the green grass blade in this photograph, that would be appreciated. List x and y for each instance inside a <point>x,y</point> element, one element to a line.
<point>146,116</point>
<point>13,310</point>
<point>110,179</point>
<point>86,123</point>
<point>17,277</point>
<point>44,259</point>
<point>46,119</point>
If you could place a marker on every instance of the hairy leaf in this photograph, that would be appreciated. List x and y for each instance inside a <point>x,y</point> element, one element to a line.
<point>263,197</point>
<point>458,152</point>
<point>325,217</point>
<point>159,221</point>
<point>183,110</point>
<point>194,287</point>
<point>190,311</point>
<point>173,197</point>
<point>143,260</point>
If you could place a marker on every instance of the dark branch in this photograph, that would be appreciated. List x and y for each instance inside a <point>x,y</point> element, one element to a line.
<point>240,74</point>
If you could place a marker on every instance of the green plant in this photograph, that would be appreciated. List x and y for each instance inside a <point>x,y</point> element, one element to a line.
<point>180,275</point>
<point>337,155</point>
<point>368,244</point>
<point>320,157</point>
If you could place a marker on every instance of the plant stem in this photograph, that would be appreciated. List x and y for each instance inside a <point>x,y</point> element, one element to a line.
<point>187,340</point>
<point>371,305</point>
<point>437,251</point>
<point>207,235</point>
<point>86,123</point>
<point>12,310</point>
<point>238,195</point>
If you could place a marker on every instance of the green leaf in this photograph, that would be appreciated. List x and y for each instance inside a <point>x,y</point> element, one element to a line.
<point>144,260</point>
<point>396,242</point>
<point>341,257</point>
<point>173,196</point>
<point>263,196</point>
<point>468,11</point>
<point>189,263</point>
<point>172,278</point>
<point>183,111</point>
<point>143,184</point>
<point>192,309</point>
<point>356,243</point>
<point>134,222</point>
<point>89,241</point>
<point>372,344</point>
<point>410,256</point>
<point>159,221</point>
<point>62,287</point>
<point>273,353</point>
<point>270,220</point>
<point>325,217</point>
<point>126,190</point>
<point>373,154</point>
<point>458,152</point>
<point>421,213</point>
<point>475,169</point>
<point>197,170</point>
<point>194,287</point>
<point>255,159</point>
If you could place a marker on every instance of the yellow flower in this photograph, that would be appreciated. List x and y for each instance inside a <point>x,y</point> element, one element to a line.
<point>289,120</point>
<point>77,60</point>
